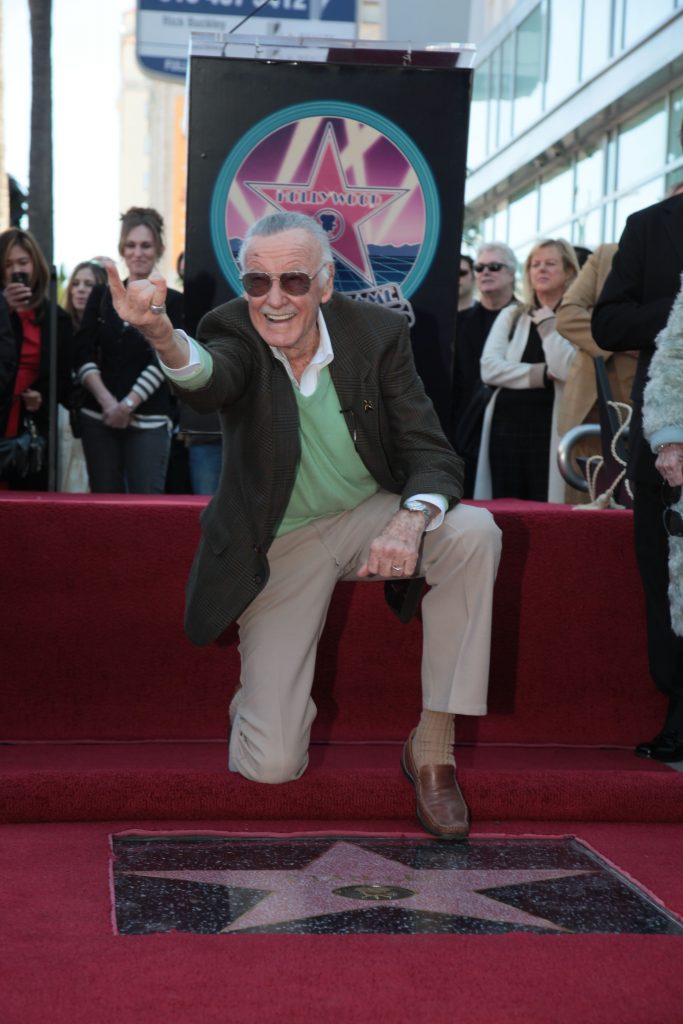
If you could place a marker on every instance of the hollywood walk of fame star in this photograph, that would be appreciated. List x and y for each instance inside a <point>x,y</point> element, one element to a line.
<point>317,888</point>
<point>329,197</point>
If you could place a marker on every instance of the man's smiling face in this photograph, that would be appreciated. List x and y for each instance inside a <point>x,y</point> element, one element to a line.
<point>288,322</point>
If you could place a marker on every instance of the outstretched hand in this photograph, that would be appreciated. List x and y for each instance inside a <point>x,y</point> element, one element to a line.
<point>134,302</point>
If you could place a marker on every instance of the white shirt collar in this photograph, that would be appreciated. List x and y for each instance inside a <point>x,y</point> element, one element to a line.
<point>323,357</point>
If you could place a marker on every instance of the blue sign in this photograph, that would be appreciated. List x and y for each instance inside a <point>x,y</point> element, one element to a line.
<point>164,27</point>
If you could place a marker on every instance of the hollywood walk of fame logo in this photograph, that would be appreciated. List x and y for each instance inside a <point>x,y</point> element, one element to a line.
<point>357,174</point>
<point>355,885</point>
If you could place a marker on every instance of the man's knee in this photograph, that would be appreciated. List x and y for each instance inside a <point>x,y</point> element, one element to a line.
<point>478,526</point>
<point>268,763</point>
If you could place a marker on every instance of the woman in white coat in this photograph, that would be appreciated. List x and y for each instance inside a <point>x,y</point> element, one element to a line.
<point>526,361</point>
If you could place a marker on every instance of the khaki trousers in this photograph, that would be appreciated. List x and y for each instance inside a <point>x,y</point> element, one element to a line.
<point>280,630</point>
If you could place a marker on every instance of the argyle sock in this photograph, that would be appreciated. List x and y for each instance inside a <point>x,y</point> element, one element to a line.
<point>433,739</point>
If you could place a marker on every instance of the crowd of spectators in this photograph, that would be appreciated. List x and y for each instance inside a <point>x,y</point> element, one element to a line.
<point>522,372</point>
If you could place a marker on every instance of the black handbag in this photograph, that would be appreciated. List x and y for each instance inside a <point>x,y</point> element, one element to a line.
<point>23,455</point>
<point>74,403</point>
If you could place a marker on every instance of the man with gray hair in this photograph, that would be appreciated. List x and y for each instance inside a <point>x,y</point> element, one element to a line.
<point>334,468</point>
<point>494,273</point>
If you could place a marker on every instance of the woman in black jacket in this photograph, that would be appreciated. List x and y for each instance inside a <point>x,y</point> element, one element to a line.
<point>26,386</point>
<point>127,416</point>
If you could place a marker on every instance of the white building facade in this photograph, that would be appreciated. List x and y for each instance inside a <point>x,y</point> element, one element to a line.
<point>576,114</point>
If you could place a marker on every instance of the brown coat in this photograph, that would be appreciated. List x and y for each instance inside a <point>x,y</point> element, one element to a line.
<point>391,419</point>
<point>574,323</point>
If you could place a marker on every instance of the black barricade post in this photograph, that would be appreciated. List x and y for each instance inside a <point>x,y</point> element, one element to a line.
<point>368,138</point>
<point>53,443</point>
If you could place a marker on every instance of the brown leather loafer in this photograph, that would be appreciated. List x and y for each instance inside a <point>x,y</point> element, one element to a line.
<point>441,807</point>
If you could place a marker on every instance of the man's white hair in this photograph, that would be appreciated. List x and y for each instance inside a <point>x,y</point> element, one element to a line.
<point>510,259</point>
<point>276,223</point>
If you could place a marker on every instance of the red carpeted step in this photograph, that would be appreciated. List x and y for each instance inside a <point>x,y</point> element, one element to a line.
<point>93,647</point>
<point>44,782</point>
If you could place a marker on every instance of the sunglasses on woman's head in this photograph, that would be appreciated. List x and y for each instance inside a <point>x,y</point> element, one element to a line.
<point>292,282</point>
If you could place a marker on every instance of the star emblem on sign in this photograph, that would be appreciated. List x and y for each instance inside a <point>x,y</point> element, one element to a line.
<point>346,877</point>
<point>340,207</point>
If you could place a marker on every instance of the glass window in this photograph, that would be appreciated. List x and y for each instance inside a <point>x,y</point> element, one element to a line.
<point>530,51</point>
<point>589,180</point>
<point>674,144</point>
<point>563,50</point>
<point>595,36</point>
<point>494,92</point>
<point>476,152</point>
<point>487,229</point>
<point>556,200</point>
<point>522,217</point>
<point>500,225</point>
<point>638,199</point>
<point>643,15</point>
<point>587,229</point>
<point>507,84</point>
<point>673,179</point>
<point>642,145</point>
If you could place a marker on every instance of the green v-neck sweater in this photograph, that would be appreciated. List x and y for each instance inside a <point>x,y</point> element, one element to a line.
<point>331,476</point>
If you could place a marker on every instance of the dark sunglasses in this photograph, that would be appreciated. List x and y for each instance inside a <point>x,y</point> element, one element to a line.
<point>673,521</point>
<point>293,282</point>
<point>479,268</point>
<point>465,272</point>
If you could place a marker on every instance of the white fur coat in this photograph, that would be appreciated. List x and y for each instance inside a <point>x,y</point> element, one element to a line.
<point>663,421</point>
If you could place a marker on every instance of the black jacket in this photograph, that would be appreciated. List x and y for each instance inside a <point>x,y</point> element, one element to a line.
<point>121,353</point>
<point>9,363</point>
<point>635,303</point>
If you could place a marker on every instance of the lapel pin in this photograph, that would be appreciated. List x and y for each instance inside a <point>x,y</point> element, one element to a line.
<point>367,405</point>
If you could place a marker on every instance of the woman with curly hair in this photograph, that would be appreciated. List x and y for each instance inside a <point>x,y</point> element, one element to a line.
<point>127,415</point>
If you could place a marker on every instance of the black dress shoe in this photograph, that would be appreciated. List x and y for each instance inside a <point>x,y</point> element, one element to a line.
<point>666,746</point>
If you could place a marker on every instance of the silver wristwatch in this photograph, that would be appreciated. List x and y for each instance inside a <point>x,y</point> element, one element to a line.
<point>415,505</point>
<point>129,403</point>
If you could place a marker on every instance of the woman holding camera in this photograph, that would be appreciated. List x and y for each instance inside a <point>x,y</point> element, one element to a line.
<point>25,280</point>
<point>127,416</point>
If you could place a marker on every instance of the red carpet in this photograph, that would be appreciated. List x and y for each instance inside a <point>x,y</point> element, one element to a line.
<point>64,963</point>
<point>43,782</point>
<point>111,661</point>
<point>95,666</point>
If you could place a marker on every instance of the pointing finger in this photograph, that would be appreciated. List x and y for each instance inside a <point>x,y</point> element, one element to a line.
<point>115,282</point>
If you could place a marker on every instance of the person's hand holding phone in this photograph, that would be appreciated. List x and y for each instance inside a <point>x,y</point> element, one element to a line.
<point>18,292</point>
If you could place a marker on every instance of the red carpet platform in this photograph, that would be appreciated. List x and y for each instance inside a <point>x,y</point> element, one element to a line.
<point>109,713</point>
<point>111,720</point>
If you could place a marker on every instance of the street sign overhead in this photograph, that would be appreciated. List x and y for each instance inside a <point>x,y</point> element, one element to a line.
<point>164,27</point>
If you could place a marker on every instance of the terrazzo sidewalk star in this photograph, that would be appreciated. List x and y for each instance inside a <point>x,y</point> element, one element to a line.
<point>350,885</point>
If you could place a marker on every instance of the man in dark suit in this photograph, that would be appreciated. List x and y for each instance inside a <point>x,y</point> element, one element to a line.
<point>632,309</point>
<point>335,467</point>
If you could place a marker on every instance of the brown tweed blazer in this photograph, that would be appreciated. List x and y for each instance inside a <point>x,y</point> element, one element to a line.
<point>397,434</point>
